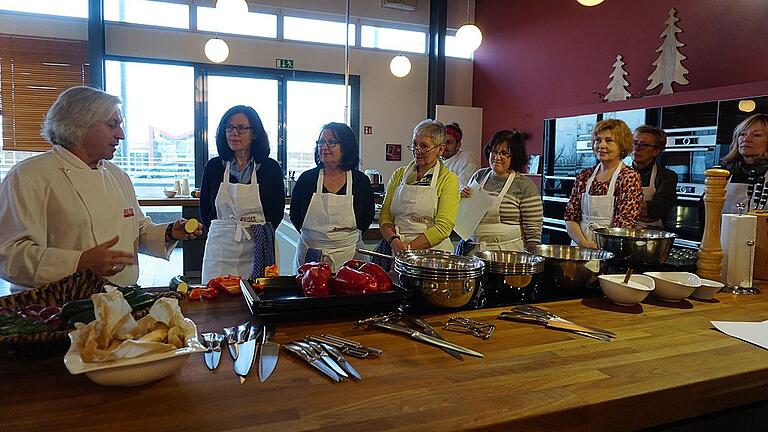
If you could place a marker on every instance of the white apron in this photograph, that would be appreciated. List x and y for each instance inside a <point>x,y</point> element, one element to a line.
<point>229,249</point>
<point>414,208</point>
<point>648,193</point>
<point>597,210</point>
<point>330,226</point>
<point>491,233</point>
<point>736,193</point>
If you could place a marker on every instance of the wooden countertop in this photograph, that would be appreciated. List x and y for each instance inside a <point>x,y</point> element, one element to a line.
<point>666,364</point>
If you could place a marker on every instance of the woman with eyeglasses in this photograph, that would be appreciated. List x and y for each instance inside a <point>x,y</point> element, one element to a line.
<point>609,194</point>
<point>242,198</point>
<point>332,204</point>
<point>514,219</point>
<point>419,209</point>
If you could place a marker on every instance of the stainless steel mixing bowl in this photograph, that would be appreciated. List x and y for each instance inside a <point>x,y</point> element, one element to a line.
<point>639,247</point>
<point>571,268</point>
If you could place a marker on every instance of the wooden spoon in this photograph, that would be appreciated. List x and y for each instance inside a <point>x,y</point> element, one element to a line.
<point>629,273</point>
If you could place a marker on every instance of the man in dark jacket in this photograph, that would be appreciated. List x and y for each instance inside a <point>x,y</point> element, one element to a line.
<point>659,184</point>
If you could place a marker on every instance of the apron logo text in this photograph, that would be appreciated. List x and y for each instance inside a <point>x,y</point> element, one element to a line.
<point>128,212</point>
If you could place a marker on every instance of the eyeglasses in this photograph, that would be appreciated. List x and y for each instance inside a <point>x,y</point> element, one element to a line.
<point>421,150</point>
<point>642,146</point>
<point>239,128</point>
<point>502,154</point>
<point>330,143</point>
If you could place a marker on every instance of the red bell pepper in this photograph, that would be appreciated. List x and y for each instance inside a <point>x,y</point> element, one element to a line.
<point>316,281</point>
<point>306,266</point>
<point>354,263</point>
<point>226,284</point>
<point>198,294</point>
<point>349,281</point>
<point>383,281</point>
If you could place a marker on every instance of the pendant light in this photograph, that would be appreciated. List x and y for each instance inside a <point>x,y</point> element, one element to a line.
<point>232,6</point>
<point>400,66</point>
<point>469,35</point>
<point>216,50</point>
<point>589,2</point>
<point>747,105</point>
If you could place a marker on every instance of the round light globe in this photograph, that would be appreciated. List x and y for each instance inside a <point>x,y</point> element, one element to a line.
<point>589,2</point>
<point>216,50</point>
<point>747,105</point>
<point>232,6</point>
<point>400,66</point>
<point>470,36</point>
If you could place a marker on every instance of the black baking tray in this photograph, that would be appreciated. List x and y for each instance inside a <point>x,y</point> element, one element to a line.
<point>283,300</point>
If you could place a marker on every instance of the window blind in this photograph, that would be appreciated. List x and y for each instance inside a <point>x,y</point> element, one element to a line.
<point>33,71</point>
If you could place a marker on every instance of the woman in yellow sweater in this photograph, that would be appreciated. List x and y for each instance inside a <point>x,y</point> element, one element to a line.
<point>422,199</point>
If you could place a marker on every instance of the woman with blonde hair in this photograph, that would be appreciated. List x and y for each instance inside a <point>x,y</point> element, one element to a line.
<point>747,162</point>
<point>610,194</point>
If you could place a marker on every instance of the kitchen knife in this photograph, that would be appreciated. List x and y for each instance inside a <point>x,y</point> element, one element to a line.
<point>268,354</point>
<point>231,334</point>
<point>326,357</point>
<point>339,358</point>
<point>312,360</point>
<point>427,338</point>
<point>428,330</point>
<point>247,353</point>
<point>560,325</point>
<point>213,342</point>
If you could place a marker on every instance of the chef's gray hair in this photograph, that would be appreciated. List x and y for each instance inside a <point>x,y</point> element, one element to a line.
<point>431,128</point>
<point>74,112</point>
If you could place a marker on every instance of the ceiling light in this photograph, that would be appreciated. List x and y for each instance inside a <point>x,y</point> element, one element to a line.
<point>400,66</point>
<point>589,2</point>
<point>233,6</point>
<point>216,50</point>
<point>747,105</point>
<point>469,36</point>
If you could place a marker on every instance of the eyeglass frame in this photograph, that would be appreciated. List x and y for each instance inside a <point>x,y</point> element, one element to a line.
<point>416,150</point>
<point>329,144</point>
<point>241,130</point>
<point>504,155</point>
<point>642,145</point>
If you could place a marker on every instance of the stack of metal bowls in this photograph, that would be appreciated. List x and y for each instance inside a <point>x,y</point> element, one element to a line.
<point>511,277</point>
<point>443,279</point>
<point>637,247</point>
<point>570,270</point>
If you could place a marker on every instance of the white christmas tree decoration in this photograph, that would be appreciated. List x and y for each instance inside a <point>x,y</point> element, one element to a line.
<point>669,67</point>
<point>618,84</point>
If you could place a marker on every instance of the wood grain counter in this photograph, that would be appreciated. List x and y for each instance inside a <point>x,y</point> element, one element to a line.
<point>666,364</point>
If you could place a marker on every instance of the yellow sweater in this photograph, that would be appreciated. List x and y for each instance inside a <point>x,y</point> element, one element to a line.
<point>448,199</point>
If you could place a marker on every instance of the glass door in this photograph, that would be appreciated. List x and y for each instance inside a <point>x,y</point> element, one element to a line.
<point>224,92</point>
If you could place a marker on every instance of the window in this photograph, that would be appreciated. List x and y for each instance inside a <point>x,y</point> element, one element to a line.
<point>225,92</point>
<point>314,30</point>
<point>67,8</point>
<point>455,49</point>
<point>251,23</point>
<point>155,13</point>
<point>393,39</point>
<point>158,109</point>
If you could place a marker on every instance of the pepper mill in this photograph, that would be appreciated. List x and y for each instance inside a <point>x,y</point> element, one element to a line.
<point>711,252</point>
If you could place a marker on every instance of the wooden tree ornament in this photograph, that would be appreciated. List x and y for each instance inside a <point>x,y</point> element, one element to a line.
<point>618,84</point>
<point>669,66</point>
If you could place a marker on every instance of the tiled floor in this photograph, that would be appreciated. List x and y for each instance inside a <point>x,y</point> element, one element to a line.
<point>153,271</point>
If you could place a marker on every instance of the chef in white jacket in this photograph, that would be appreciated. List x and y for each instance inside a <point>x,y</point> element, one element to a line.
<point>70,209</point>
<point>463,164</point>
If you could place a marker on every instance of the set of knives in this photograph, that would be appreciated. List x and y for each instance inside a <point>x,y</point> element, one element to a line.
<point>246,343</point>
<point>324,357</point>
<point>533,314</point>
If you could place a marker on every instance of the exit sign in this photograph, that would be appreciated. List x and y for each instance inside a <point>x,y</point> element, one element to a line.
<point>284,63</point>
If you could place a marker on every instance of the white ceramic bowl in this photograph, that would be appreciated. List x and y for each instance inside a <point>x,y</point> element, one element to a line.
<point>674,286</point>
<point>134,371</point>
<point>622,294</point>
<point>707,290</point>
<point>170,193</point>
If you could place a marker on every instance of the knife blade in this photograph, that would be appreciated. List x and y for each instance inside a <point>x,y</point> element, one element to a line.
<point>428,330</point>
<point>212,341</point>
<point>268,355</point>
<point>247,353</point>
<point>314,362</point>
<point>427,338</point>
<point>326,358</point>
<point>231,334</point>
<point>339,358</point>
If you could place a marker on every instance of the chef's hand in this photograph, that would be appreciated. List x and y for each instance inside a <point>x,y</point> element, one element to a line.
<point>466,192</point>
<point>397,245</point>
<point>105,261</point>
<point>179,233</point>
<point>644,209</point>
<point>590,244</point>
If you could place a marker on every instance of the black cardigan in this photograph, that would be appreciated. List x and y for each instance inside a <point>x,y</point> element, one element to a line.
<point>362,197</point>
<point>271,190</point>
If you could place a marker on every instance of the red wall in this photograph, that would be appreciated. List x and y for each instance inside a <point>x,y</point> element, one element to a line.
<point>541,58</point>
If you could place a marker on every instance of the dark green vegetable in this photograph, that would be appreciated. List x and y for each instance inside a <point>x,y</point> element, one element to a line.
<point>17,324</point>
<point>140,299</point>
<point>84,317</point>
<point>75,307</point>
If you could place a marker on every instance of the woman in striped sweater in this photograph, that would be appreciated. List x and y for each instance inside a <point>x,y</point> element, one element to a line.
<point>514,220</point>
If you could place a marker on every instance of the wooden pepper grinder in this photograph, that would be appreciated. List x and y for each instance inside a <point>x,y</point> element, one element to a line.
<point>711,252</point>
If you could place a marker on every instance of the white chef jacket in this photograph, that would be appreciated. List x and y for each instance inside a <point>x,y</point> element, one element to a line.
<point>463,164</point>
<point>53,207</point>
